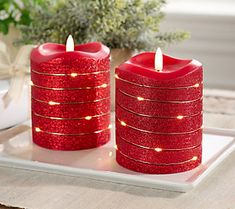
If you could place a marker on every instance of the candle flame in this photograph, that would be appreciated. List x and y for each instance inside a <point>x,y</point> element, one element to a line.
<point>70,44</point>
<point>158,62</point>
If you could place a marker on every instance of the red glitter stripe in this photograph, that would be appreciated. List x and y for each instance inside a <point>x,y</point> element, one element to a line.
<point>69,81</point>
<point>152,156</point>
<point>56,142</point>
<point>160,94</point>
<point>153,169</point>
<point>167,125</point>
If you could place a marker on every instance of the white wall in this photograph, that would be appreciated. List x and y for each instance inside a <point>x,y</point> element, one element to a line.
<point>212,39</point>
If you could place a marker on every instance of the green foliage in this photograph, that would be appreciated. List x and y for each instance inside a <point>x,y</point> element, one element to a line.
<point>15,12</point>
<point>132,24</point>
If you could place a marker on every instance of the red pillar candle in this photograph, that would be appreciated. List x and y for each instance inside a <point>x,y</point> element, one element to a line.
<point>159,114</point>
<point>70,95</point>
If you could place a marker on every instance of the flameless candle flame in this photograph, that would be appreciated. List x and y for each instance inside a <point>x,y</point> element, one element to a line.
<point>158,62</point>
<point>70,44</point>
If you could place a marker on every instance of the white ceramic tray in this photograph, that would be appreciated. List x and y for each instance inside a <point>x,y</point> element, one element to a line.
<point>100,164</point>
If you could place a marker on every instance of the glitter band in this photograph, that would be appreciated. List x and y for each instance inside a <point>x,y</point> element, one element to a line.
<point>78,88</point>
<point>65,74</point>
<point>158,87</point>
<point>152,116</point>
<point>162,149</point>
<point>59,103</point>
<point>57,118</point>
<point>161,133</point>
<point>157,164</point>
<point>160,101</point>
<point>79,134</point>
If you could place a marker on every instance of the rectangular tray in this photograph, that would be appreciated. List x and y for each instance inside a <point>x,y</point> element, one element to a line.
<point>100,163</point>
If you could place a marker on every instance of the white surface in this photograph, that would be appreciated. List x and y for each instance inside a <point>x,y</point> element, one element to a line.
<point>211,26</point>
<point>17,111</point>
<point>201,7</point>
<point>100,163</point>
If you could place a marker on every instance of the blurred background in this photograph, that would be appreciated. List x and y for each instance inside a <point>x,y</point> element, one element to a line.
<point>212,27</point>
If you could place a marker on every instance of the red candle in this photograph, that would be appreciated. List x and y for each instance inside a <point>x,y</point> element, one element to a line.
<point>159,114</point>
<point>70,95</point>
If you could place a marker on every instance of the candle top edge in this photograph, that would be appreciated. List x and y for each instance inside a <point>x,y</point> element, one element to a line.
<point>49,51</point>
<point>143,64</point>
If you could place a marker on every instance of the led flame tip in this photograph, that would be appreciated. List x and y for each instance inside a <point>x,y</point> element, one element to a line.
<point>70,44</point>
<point>158,62</point>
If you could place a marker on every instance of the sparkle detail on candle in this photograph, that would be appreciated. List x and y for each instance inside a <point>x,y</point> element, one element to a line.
<point>110,154</point>
<point>53,103</point>
<point>73,74</point>
<point>104,85</point>
<point>116,76</point>
<point>194,158</point>
<point>88,117</point>
<point>37,129</point>
<point>123,123</point>
<point>196,85</point>
<point>140,98</point>
<point>158,149</point>
<point>116,147</point>
<point>31,83</point>
<point>158,62</point>
<point>70,44</point>
<point>180,117</point>
<point>110,126</point>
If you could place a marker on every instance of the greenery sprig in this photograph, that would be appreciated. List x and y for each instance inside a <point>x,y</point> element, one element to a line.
<point>131,24</point>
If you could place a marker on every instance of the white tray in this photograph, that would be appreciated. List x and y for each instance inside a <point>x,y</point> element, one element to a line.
<point>100,164</point>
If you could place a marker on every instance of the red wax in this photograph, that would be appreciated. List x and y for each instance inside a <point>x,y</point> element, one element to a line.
<point>159,114</point>
<point>70,96</point>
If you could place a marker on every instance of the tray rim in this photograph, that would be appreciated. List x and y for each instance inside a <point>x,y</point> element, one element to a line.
<point>120,178</point>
